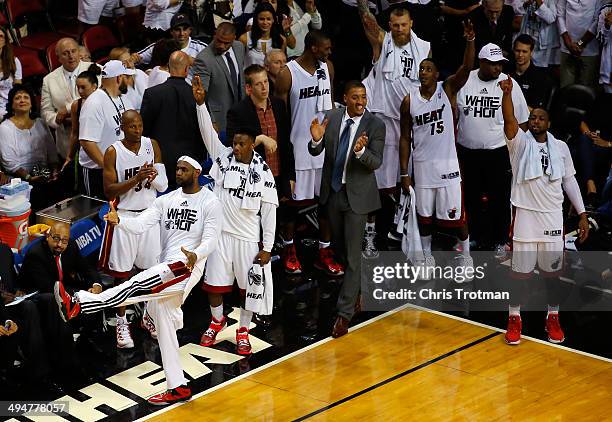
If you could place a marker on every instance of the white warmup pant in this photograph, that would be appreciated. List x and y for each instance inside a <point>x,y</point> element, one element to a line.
<point>164,307</point>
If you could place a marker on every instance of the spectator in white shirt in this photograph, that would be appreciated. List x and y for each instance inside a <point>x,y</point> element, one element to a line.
<point>604,34</point>
<point>59,91</point>
<point>136,83</point>
<point>10,70</point>
<point>539,21</point>
<point>27,149</point>
<point>158,14</point>
<point>577,21</point>
<point>302,23</point>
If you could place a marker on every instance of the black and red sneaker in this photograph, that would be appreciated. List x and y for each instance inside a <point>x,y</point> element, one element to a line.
<point>174,395</point>
<point>327,263</point>
<point>68,306</point>
<point>291,263</point>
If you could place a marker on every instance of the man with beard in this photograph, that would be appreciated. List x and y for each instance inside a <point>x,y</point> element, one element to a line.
<point>190,221</point>
<point>396,56</point>
<point>100,125</point>
<point>542,169</point>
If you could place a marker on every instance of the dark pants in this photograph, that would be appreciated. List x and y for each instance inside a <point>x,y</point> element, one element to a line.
<point>594,161</point>
<point>347,235</point>
<point>487,174</point>
<point>91,183</point>
<point>30,338</point>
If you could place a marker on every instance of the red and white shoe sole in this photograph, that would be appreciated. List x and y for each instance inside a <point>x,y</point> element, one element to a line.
<point>512,343</point>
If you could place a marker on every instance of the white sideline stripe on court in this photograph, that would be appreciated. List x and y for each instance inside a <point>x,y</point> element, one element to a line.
<point>536,340</point>
<point>267,365</point>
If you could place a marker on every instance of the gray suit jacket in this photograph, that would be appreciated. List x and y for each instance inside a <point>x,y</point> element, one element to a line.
<point>361,188</point>
<point>215,75</point>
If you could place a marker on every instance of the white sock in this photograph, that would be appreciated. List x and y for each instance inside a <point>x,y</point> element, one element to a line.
<point>370,227</point>
<point>323,245</point>
<point>124,318</point>
<point>288,242</point>
<point>514,310</point>
<point>217,312</point>
<point>465,246</point>
<point>426,243</point>
<point>553,309</point>
<point>245,318</point>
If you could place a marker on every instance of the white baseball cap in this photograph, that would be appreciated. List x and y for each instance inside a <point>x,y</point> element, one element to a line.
<point>492,53</point>
<point>114,68</point>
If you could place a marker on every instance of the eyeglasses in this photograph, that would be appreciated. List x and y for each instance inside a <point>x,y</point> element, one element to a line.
<point>59,239</point>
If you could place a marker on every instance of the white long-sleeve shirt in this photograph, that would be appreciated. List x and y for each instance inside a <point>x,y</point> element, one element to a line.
<point>302,22</point>
<point>192,221</point>
<point>576,17</point>
<point>238,222</point>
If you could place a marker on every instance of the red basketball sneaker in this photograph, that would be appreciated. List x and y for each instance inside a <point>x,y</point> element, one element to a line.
<point>68,306</point>
<point>290,260</point>
<point>513,333</point>
<point>209,336</point>
<point>553,328</point>
<point>327,263</point>
<point>243,345</point>
<point>180,393</point>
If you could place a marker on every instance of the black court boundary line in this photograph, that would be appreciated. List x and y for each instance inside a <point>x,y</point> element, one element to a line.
<point>397,376</point>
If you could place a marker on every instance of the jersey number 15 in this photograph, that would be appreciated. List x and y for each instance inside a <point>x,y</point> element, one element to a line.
<point>437,127</point>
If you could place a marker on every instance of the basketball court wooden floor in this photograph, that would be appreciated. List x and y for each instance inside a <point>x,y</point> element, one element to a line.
<point>413,364</point>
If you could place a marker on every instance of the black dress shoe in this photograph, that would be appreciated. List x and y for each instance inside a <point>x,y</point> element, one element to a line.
<point>340,327</point>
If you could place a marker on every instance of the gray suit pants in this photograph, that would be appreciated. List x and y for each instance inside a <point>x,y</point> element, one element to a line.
<point>347,236</point>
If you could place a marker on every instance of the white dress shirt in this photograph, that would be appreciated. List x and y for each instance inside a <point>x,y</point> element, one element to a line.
<point>576,17</point>
<point>353,131</point>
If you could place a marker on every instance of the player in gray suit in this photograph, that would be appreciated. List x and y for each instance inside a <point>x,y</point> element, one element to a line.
<point>220,67</point>
<point>353,140</point>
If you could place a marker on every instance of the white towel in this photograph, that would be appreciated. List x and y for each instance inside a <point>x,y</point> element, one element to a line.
<point>406,221</point>
<point>324,99</point>
<point>530,166</point>
<point>386,72</point>
<point>259,290</point>
<point>259,185</point>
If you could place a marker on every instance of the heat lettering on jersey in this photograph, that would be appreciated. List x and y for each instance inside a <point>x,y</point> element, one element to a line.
<point>180,219</point>
<point>238,192</point>
<point>313,91</point>
<point>131,172</point>
<point>429,117</point>
<point>481,106</point>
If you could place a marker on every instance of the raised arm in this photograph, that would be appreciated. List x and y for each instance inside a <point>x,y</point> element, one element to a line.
<point>209,135</point>
<point>455,82</point>
<point>405,141</point>
<point>373,31</point>
<point>511,125</point>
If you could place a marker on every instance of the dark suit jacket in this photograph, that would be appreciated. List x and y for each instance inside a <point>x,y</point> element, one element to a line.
<point>503,31</point>
<point>243,114</point>
<point>215,75</point>
<point>39,270</point>
<point>169,116</point>
<point>361,187</point>
<point>8,277</point>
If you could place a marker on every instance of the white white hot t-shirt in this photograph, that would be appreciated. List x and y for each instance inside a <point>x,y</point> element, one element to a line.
<point>480,119</point>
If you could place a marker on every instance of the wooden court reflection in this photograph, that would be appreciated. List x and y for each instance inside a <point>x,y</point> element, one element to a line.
<point>411,365</point>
